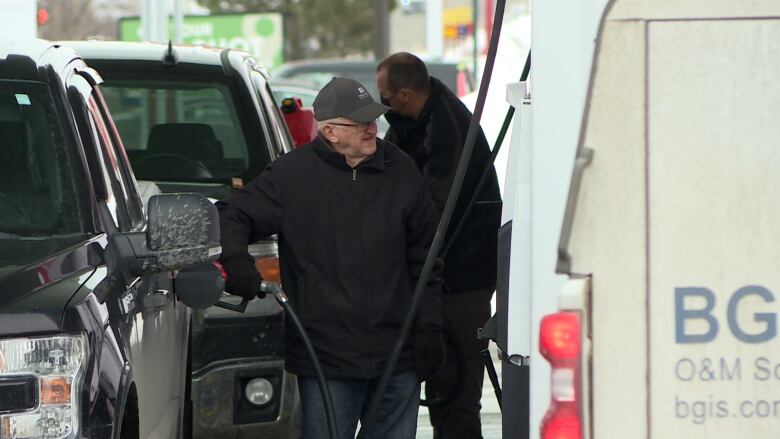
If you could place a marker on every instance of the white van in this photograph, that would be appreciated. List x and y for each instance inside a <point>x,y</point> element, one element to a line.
<point>667,317</point>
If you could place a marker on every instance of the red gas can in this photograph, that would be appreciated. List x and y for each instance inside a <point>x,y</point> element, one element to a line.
<point>300,121</point>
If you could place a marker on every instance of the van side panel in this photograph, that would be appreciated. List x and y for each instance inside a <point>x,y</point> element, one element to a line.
<point>677,221</point>
<point>608,232</point>
<point>714,211</point>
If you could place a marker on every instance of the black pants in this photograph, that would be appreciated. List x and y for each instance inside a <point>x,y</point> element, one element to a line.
<point>458,418</point>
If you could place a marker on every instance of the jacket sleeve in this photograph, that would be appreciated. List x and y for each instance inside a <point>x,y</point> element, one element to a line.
<point>421,227</point>
<point>250,214</point>
<point>444,144</point>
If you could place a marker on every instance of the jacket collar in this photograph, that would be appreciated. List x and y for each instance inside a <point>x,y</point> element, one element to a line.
<point>327,153</point>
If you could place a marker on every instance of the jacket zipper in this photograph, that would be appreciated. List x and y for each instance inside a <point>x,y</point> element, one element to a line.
<point>360,300</point>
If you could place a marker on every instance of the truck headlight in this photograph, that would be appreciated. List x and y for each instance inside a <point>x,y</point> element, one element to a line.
<point>57,366</point>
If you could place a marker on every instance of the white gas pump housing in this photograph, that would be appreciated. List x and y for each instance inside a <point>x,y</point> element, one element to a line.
<point>543,145</point>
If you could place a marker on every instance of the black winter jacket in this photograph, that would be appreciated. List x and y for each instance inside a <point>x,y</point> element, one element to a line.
<point>352,243</point>
<point>435,141</point>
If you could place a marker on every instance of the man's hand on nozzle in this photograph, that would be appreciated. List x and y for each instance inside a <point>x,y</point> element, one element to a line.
<point>242,277</point>
<point>428,346</point>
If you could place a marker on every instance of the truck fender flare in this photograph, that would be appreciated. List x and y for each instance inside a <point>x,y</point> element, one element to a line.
<point>125,382</point>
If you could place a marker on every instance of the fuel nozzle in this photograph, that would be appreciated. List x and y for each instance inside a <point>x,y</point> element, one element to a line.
<point>266,287</point>
<point>274,289</point>
<point>237,307</point>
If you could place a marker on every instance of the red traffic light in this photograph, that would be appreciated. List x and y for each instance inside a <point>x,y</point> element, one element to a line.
<point>43,16</point>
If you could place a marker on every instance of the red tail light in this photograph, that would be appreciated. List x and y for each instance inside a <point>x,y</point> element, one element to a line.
<point>560,345</point>
<point>561,422</point>
<point>559,338</point>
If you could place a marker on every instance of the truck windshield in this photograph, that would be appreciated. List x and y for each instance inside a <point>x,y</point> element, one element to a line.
<point>180,131</point>
<point>38,187</point>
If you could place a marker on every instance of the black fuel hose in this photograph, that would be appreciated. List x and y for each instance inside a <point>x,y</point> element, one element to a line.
<point>496,148</point>
<point>275,290</point>
<point>454,389</point>
<point>441,230</point>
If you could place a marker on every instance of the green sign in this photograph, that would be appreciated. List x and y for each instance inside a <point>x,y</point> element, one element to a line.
<point>258,34</point>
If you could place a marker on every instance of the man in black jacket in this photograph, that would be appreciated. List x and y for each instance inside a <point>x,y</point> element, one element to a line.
<point>430,123</point>
<point>354,223</point>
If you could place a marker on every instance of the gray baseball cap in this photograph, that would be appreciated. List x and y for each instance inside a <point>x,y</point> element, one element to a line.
<point>344,97</point>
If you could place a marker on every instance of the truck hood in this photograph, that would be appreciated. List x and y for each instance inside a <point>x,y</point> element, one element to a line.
<point>38,277</point>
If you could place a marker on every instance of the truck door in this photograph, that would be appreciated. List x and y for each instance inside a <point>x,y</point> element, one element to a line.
<point>154,325</point>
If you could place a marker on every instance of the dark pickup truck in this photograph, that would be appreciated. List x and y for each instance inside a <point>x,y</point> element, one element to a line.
<point>204,120</point>
<point>93,336</point>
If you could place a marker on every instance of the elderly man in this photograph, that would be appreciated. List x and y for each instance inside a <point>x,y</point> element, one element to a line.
<point>354,222</point>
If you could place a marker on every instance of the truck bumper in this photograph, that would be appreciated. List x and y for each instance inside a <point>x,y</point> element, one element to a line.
<point>221,409</point>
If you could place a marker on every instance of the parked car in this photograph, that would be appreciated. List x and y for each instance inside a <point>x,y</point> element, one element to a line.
<point>93,341</point>
<point>204,120</point>
<point>320,71</point>
<point>413,6</point>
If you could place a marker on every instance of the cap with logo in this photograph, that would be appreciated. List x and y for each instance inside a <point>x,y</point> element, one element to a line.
<point>344,97</point>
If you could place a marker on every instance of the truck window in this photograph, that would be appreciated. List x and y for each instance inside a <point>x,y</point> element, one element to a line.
<point>116,153</point>
<point>107,188</point>
<point>179,131</point>
<point>38,185</point>
<point>278,131</point>
<point>111,165</point>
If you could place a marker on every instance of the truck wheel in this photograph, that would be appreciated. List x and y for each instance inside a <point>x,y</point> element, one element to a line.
<point>130,418</point>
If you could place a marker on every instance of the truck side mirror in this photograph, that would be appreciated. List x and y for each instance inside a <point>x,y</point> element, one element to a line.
<point>182,230</point>
<point>181,221</point>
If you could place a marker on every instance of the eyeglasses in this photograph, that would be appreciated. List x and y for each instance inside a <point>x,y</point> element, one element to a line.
<point>360,126</point>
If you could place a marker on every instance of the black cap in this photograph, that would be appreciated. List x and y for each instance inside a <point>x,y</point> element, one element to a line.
<point>344,97</point>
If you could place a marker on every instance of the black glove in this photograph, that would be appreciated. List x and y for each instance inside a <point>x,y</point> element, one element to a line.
<point>242,277</point>
<point>428,353</point>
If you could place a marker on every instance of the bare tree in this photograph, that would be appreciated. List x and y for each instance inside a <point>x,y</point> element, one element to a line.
<point>314,28</point>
